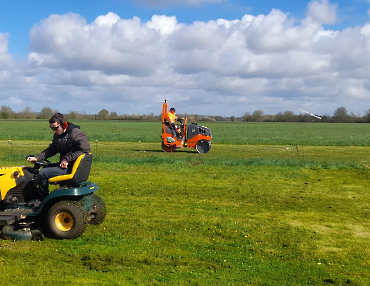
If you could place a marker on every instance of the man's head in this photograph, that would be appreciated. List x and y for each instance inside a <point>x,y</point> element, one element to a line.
<point>172,109</point>
<point>58,123</point>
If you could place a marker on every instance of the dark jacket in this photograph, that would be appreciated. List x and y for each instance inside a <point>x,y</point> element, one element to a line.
<point>71,144</point>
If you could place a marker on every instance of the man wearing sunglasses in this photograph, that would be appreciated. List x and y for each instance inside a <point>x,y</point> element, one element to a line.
<point>70,142</point>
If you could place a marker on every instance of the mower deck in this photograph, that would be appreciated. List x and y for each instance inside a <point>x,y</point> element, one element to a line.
<point>10,216</point>
<point>14,228</point>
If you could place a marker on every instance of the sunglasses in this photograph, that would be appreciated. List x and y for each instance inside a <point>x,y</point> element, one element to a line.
<point>55,128</point>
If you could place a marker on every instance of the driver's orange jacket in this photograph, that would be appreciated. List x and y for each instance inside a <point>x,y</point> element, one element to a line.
<point>171,116</point>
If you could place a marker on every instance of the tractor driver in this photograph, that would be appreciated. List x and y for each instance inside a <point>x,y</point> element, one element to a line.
<point>172,118</point>
<point>70,142</point>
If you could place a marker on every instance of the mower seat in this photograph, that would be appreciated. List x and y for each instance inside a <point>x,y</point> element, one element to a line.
<point>168,128</point>
<point>79,173</point>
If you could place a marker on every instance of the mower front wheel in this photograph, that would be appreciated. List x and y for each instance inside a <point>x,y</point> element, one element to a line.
<point>66,220</point>
<point>170,148</point>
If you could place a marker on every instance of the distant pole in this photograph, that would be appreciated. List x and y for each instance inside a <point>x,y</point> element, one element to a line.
<point>11,146</point>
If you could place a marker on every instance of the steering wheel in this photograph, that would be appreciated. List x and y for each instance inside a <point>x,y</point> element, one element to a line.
<point>43,163</point>
<point>38,164</point>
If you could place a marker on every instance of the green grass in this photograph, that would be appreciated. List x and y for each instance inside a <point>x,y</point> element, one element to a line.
<point>242,214</point>
<point>236,133</point>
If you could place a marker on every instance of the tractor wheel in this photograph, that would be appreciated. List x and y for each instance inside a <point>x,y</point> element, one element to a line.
<point>203,146</point>
<point>66,220</point>
<point>166,148</point>
<point>101,211</point>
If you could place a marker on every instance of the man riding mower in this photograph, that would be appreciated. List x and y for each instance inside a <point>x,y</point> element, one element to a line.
<point>63,214</point>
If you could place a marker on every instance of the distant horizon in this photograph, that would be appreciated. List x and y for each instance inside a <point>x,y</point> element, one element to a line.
<point>301,113</point>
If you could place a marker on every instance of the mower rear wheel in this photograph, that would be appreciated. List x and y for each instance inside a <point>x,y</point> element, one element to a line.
<point>203,146</point>
<point>66,220</point>
<point>100,211</point>
<point>166,148</point>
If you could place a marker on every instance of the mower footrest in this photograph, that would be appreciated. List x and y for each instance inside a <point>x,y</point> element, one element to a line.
<point>9,218</point>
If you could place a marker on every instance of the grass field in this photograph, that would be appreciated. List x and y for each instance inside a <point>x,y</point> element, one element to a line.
<point>237,133</point>
<point>270,204</point>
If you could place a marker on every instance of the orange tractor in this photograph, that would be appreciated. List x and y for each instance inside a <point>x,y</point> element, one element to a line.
<point>184,135</point>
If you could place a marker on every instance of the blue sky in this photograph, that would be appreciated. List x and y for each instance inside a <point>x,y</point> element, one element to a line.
<point>215,57</point>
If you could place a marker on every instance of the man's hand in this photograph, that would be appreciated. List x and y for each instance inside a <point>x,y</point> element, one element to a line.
<point>32,159</point>
<point>64,164</point>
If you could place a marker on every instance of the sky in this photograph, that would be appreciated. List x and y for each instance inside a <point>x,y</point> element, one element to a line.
<point>209,57</point>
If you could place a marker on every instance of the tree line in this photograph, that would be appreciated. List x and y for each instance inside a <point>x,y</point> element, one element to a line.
<point>7,113</point>
<point>340,115</point>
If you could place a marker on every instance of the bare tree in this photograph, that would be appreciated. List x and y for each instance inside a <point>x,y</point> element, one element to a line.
<point>27,113</point>
<point>289,116</point>
<point>73,115</point>
<point>113,115</point>
<point>367,115</point>
<point>279,117</point>
<point>6,112</point>
<point>46,113</point>
<point>247,117</point>
<point>341,114</point>
<point>257,115</point>
<point>103,114</point>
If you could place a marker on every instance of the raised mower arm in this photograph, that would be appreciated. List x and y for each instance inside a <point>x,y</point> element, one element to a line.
<point>164,111</point>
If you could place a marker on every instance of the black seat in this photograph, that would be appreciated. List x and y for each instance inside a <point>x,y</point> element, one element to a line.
<point>79,173</point>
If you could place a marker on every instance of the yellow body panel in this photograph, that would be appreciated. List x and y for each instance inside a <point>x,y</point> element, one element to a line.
<point>7,179</point>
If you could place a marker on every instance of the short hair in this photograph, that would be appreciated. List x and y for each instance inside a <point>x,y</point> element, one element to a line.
<point>57,117</point>
<point>172,109</point>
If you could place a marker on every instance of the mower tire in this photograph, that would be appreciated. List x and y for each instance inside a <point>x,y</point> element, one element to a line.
<point>100,211</point>
<point>203,146</point>
<point>166,148</point>
<point>66,220</point>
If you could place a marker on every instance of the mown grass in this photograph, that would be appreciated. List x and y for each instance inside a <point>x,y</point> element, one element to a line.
<point>241,214</point>
<point>236,133</point>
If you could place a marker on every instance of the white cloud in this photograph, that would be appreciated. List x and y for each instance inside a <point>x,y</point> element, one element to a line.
<point>163,24</point>
<point>168,3</point>
<point>6,61</point>
<point>110,44</point>
<point>322,11</point>
<point>271,62</point>
<point>107,21</point>
<point>3,43</point>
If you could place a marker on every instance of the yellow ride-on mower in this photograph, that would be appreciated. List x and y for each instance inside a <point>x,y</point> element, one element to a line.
<point>63,214</point>
<point>184,135</point>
